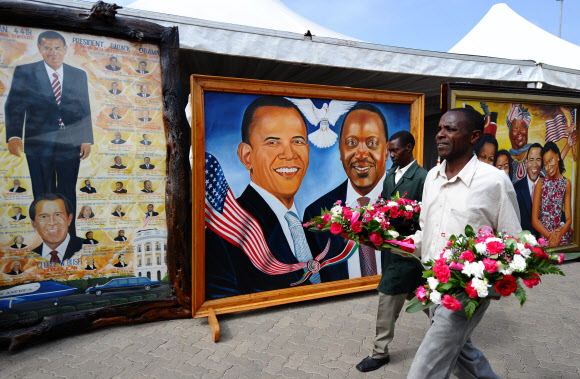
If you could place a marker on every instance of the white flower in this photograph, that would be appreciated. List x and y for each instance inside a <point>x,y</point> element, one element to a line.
<point>491,239</point>
<point>447,254</point>
<point>518,263</point>
<point>503,269</point>
<point>521,246</point>
<point>531,239</point>
<point>435,297</point>
<point>394,234</point>
<point>480,286</point>
<point>408,208</point>
<point>433,282</point>
<point>525,252</point>
<point>378,218</point>
<point>481,248</point>
<point>336,210</point>
<point>474,269</point>
<point>391,204</point>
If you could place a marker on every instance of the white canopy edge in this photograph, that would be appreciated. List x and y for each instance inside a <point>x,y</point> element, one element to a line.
<point>229,39</point>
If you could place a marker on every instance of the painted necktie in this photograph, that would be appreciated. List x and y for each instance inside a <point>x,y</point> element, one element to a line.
<point>368,261</point>
<point>54,256</point>
<point>56,88</point>
<point>301,249</point>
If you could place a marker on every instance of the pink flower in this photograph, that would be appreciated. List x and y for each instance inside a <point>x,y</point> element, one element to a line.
<point>376,239</point>
<point>449,243</point>
<point>442,271</point>
<point>538,252</point>
<point>542,241</point>
<point>490,265</point>
<point>495,247</point>
<point>335,228</point>
<point>356,226</point>
<point>326,218</point>
<point>467,256</point>
<point>408,215</point>
<point>560,259</point>
<point>472,292</point>
<point>395,209</point>
<point>394,213</point>
<point>338,202</point>
<point>456,266</point>
<point>320,226</point>
<point>421,293</point>
<point>451,303</point>
<point>346,213</point>
<point>417,209</point>
<point>532,281</point>
<point>355,216</point>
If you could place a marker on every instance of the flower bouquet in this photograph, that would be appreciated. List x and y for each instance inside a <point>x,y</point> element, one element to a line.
<point>484,265</point>
<point>375,225</point>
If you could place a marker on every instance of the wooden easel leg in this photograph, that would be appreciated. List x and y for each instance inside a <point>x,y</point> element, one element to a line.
<point>214,325</point>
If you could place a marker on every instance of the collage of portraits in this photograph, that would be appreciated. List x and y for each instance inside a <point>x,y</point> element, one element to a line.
<point>82,158</point>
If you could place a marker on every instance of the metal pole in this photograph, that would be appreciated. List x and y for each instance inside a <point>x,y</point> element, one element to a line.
<point>561,6</point>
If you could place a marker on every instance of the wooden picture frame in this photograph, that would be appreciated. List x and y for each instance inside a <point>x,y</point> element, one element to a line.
<point>101,24</point>
<point>542,108</point>
<point>204,86</point>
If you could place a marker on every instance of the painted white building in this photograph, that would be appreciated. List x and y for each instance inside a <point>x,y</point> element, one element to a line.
<point>150,248</point>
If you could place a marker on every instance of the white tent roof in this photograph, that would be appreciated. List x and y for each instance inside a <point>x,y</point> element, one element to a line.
<point>267,14</point>
<point>503,33</point>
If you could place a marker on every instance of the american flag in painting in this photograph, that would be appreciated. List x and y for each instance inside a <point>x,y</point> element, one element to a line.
<point>556,128</point>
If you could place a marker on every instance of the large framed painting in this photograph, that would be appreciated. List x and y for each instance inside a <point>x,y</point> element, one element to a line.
<point>532,135</point>
<point>86,211</point>
<point>268,156</point>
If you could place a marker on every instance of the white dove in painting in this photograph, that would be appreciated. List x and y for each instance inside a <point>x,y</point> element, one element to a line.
<point>326,116</point>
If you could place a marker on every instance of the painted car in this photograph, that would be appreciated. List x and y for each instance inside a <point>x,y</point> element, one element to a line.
<point>123,284</point>
<point>33,292</point>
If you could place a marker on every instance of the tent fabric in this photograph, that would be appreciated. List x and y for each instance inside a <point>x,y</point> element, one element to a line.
<point>503,33</point>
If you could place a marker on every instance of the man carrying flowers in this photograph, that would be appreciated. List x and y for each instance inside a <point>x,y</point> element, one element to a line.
<point>461,191</point>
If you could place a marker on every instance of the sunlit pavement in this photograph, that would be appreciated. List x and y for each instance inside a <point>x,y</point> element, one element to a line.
<point>323,338</point>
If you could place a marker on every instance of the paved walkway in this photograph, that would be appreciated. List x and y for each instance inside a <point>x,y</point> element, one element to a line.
<point>323,338</point>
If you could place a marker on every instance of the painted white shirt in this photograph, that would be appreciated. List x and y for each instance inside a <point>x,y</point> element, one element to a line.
<point>61,249</point>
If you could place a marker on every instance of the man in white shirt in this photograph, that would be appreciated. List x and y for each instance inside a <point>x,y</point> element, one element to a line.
<point>17,188</point>
<point>525,188</point>
<point>364,154</point>
<point>460,191</point>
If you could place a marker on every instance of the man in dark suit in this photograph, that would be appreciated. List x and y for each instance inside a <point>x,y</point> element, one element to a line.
<point>118,212</point>
<point>18,243</point>
<point>114,89</point>
<point>118,139</point>
<point>145,140</point>
<point>121,261</point>
<point>145,116</point>
<point>18,214</point>
<point>275,151</point>
<point>115,114</point>
<point>142,68</point>
<point>401,276</point>
<point>17,188</point>
<point>119,188</point>
<point>525,187</point>
<point>121,236</point>
<point>147,164</point>
<point>89,240</point>
<point>112,66</point>
<point>51,215</point>
<point>150,212</point>
<point>88,188</point>
<point>49,103</point>
<point>364,154</point>
<point>15,269</point>
<point>118,164</point>
<point>144,91</point>
<point>91,264</point>
<point>147,187</point>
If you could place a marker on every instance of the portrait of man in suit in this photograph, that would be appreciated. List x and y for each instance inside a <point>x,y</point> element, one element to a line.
<point>275,151</point>
<point>119,188</point>
<point>49,103</point>
<point>525,187</point>
<point>115,114</point>
<point>51,215</point>
<point>114,89</point>
<point>142,68</point>
<point>17,188</point>
<point>145,116</point>
<point>91,264</point>
<point>88,188</point>
<point>364,153</point>
<point>18,243</point>
<point>89,240</point>
<point>147,187</point>
<point>145,140</point>
<point>118,164</point>
<point>118,211</point>
<point>121,261</point>
<point>120,236</point>
<point>15,269</point>
<point>144,91</point>
<point>18,214</point>
<point>112,66</point>
<point>150,211</point>
<point>147,164</point>
<point>118,139</point>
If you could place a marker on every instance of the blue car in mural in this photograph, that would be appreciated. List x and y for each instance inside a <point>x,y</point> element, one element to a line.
<point>33,292</point>
<point>124,284</point>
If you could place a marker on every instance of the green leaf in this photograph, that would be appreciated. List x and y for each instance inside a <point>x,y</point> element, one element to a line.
<point>470,308</point>
<point>444,286</point>
<point>374,226</point>
<point>520,294</point>
<point>428,274</point>
<point>415,305</point>
<point>469,231</point>
<point>511,243</point>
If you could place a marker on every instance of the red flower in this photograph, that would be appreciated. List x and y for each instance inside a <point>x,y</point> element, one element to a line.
<point>534,281</point>
<point>356,226</point>
<point>539,252</point>
<point>495,247</point>
<point>347,213</point>
<point>394,213</point>
<point>451,303</point>
<point>506,286</point>
<point>335,228</point>
<point>468,256</point>
<point>408,215</point>
<point>327,217</point>
<point>471,291</point>
<point>376,239</point>
<point>442,271</point>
